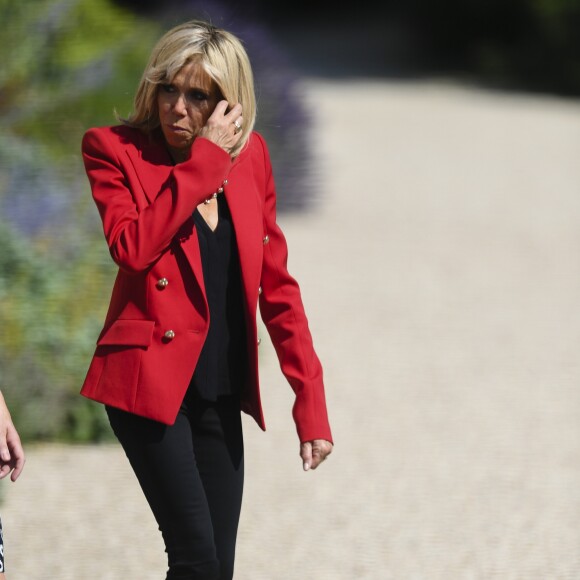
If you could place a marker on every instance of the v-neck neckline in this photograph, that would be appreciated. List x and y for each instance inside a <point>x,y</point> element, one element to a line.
<point>204,222</point>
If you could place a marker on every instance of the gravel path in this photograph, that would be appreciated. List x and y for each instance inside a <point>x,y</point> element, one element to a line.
<point>441,275</point>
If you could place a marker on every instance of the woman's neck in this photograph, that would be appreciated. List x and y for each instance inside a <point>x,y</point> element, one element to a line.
<point>178,155</point>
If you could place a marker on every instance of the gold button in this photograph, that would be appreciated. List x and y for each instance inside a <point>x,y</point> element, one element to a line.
<point>259,341</point>
<point>266,240</point>
<point>169,335</point>
<point>259,290</point>
<point>162,283</point>
<point>225,182</point>
<point>220,190</point>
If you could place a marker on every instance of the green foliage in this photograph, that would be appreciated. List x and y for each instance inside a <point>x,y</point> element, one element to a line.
<point>67,65</point>
<point>50,319</point>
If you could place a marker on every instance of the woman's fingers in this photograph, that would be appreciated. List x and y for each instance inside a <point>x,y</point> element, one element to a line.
<point>11,453</point>
<point>18,467</point>
<point>313,453</point>
<point>223,127</point>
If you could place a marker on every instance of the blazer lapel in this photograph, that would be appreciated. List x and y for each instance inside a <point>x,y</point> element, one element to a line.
<point>247,218</point>
<point>187,237</point>
<point>153,165</point>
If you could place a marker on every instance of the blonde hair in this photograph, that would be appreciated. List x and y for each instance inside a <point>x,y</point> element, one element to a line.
<point>222,56</point>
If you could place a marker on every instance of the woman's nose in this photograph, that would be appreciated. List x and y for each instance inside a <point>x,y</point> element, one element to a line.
<point>180,106</point>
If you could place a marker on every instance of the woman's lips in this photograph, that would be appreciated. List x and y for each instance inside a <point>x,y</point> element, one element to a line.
<point>177,129</point>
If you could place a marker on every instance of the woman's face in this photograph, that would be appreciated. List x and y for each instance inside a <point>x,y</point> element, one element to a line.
<point>184,106</point>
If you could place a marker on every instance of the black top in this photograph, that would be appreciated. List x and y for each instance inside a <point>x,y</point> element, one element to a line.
<point>221,368</point>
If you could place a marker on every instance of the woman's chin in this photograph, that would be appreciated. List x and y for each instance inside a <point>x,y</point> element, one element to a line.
<point>178,139</point>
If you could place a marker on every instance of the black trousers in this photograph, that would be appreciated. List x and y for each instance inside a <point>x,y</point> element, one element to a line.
<point>192,475</point>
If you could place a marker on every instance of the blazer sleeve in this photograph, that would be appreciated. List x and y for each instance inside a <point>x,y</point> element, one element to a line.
<point>136,239</point>
<point>283,313</point>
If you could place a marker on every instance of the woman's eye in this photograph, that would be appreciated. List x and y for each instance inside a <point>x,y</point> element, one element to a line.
<point>198,96</point>
<point>168,88</point>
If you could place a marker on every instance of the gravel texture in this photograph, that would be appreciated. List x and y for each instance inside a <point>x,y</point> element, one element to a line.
<point>440,271</point>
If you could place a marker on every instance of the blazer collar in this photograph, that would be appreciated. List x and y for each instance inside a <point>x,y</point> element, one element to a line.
<point>152,163</point>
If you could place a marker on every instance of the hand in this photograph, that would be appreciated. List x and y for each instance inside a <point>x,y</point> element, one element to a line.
<point>11,452</point>
<point>314,452</point>
<point>220,128</point>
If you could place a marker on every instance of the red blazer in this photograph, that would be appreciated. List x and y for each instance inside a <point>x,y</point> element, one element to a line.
<point>158,316</point>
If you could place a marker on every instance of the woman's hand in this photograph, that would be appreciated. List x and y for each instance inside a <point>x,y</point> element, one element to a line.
<point>223,127</point>
<point>11,452</point>
<point>314,452</point>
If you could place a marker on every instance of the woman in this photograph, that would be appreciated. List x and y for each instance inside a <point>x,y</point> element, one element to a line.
<point>185,191</point>
<point>11,460</point>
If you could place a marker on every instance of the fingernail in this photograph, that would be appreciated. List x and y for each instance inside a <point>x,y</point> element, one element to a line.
<point>306,466</point>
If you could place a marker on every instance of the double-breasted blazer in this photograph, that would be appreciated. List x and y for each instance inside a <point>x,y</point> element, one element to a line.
<point>158,316</point>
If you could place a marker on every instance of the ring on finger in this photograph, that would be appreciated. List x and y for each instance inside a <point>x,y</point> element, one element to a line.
<point>237,125</point>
